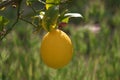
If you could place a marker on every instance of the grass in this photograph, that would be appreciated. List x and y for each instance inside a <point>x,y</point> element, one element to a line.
<point>96,56</point>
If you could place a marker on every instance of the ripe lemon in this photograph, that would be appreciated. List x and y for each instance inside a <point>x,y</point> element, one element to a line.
<point>56,49</point>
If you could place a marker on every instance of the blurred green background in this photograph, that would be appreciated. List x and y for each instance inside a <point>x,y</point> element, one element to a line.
<point>96,40</point>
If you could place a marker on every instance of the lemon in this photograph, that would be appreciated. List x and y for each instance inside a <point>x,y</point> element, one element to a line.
<point>56,49</point>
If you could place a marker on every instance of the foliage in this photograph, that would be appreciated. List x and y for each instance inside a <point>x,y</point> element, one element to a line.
<point>96,55</point>
<point>47,20</point>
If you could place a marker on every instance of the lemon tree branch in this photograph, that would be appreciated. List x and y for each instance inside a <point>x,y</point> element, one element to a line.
<point>16,21</point>
<point>6,3</point>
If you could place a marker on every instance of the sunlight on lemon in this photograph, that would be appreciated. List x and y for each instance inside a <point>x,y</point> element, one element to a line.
<point>56,49</point>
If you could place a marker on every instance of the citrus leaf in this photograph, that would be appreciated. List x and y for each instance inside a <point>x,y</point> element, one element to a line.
<point>50,18</point>
<point>3,22</point>
<point>73,15</point>
<point>67,16</point>
<point>42,13</point>
<point>2,9</point>
<point>29,2</point>
<point>50,3</point>
<point>66,19</point>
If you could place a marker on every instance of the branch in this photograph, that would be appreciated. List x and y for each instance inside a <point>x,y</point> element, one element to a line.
<point>6,3</point>
<point>42,1</point>
<point>33,9</point>
<point>16,21</point>
<point>28,22</point>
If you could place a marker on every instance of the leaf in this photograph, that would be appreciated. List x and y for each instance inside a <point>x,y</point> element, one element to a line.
<point>42,13</point>
<point>3,22</point>
<point>73,15</point>
<point>2,9</point>
<point>66,19</point>
<point>67,16</point>
<point>29,2</point>
<point>50,3</point>
<point>50,18</point>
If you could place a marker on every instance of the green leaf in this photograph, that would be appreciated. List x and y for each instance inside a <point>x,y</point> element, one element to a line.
<point>2,9</point>
<point>50,3</point>
<point>65,19</point>
<point>3,22</point>
<point>42,13</point>
<point>67,16</point>
<point>29,2</point>
<point>50,18</point>
<point>73,15</point>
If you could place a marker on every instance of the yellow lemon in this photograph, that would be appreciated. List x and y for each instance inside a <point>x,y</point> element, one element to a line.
<point>56,49</point>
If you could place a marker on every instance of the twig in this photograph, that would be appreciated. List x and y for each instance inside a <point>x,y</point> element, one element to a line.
<point>64,2</point>
<point>3,4</point>
<point>33,9</point>
<point>13,25</point>
<point>27,21</point>
<point>42,1</point>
